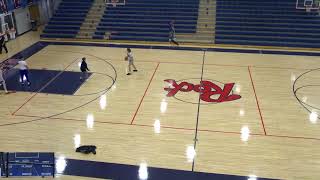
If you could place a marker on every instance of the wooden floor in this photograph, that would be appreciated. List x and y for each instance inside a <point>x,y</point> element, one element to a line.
<point>266,132</point>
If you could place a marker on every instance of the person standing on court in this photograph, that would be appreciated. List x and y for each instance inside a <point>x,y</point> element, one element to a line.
<point>84,68</point>
<point>24,71</point>
<point>3,44</point>
<point>2,81</point>
<point>172,33</point>
<point>129,58</point>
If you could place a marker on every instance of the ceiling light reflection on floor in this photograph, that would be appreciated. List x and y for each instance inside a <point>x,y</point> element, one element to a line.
<point>304,99</point>
<point>241,112</point>
<point>237,88</point>
<point>61,164</point>
<point>143,171</point>
<point>190,153</point>
<point>77,140</point>
<point>293,77</point>
<point>90,121</point>
<point>157,126</point>
<point>103,102</point>
<point>252,177</point>
<point>114,87</point>
<point>163,106</point>
<point>313,117</point>
<point>245,133</point>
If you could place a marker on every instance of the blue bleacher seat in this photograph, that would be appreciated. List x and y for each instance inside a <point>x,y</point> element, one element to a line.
<point>148,20</point>
<point>67,20</point>
<point>266,23</point>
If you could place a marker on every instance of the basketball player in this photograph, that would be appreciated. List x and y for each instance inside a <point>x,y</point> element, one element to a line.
<point>84,68</point>
<point>129,58</point>
<point>24,71</point>
<point>3,44</point>
<point>172,33</point>
<point>2,81</point>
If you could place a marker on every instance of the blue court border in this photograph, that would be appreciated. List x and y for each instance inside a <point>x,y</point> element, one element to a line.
<point>95,169</point>
<point>130,172</point>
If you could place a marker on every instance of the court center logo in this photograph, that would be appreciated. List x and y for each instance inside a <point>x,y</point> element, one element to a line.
<point>211,91</point>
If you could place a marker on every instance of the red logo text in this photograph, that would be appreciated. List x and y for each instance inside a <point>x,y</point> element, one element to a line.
<point>206,89</point>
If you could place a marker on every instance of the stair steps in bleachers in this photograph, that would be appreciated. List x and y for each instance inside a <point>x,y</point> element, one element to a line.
<point>67,19</point>
<point>92,20</point>
<point>205,24</point>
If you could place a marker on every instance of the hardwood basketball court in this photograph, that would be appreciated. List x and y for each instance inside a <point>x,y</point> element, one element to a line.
<point>262,127</point>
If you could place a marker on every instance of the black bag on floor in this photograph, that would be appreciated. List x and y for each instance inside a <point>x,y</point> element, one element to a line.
<point>87,149</point>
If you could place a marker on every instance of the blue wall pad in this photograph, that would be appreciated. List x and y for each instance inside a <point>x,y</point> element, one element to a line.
<point>48,81</point>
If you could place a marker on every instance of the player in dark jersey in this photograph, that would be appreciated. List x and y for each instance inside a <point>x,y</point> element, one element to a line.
<point>84,69</point>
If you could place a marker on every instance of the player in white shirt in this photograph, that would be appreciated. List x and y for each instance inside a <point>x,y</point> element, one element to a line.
<point>2,81</point>
<point>129,58</point>
<point>24,71</point>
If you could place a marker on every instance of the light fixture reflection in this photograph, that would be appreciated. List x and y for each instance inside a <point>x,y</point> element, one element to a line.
<point>143,171</point>
<point>163,106</point>
<point>293,77</point>
<point>252,177</point>
<point>241,112</point>
<point>103,102</point>
<point>169,84</point>
<point>79,64</point>
<point>61,164</point>
<point>304,99</point>
<point>190,153</point>
<point>77,140</point>
<point>157,126</point>
<point>90,121</point>
<point>237,88</point>
<point>114,87</point>
<point>245,133</point>
<point>313,117</point>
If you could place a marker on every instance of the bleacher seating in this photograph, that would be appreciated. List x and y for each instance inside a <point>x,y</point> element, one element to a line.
<point>67,19</point>
<point>148,20</point>
<point>238,22</point>
<point>266,23</point>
